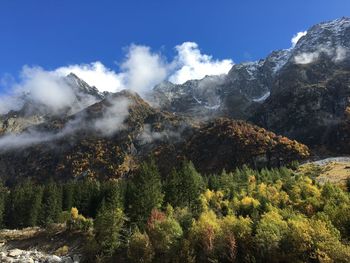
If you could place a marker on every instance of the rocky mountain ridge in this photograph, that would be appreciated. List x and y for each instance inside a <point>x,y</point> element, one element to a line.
<point>33,113</point>
<point>108,139</point>
<point>301,92</point>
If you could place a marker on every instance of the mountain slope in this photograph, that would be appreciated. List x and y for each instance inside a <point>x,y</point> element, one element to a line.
<point>228,144</point>
<point>301,92</point>
<point>33,112</point>
<point>102,141</point>
<point>109,138</point>
<point>309,98</point>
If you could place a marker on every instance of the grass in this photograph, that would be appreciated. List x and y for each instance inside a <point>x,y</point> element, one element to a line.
<point>333,172</point>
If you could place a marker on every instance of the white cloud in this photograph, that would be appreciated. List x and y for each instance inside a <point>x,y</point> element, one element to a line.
<point>111,121</point>
<point>306,58</point>
<point>41,87</point>
<point>113,117</point>
<point>148,135</point>
<point>337,54</point>
<point>142,69</point>
<point>8,103</point>
<point>192,64</point>
<point>31,137</point>
<point>340,54</point>
<point>297,36</point>
<point>95,74</point>
<point>46,88</point>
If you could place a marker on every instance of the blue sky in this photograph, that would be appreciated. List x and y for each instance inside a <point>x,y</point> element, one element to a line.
<point>53,34</point>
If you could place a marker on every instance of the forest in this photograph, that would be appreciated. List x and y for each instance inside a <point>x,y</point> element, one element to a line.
<point>267,215</point>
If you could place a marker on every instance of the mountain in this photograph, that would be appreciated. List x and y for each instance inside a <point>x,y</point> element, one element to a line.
<point>301,92</point>
<point>229,95</point>
<point>33,113</point>
<point>310,96</point>
<point>108,140</point>
<point>102,141</point>
<point>196,98</point>
<point>227,144</point>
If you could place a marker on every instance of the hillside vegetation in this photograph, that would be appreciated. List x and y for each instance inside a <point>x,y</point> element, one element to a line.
<point>271,215</point>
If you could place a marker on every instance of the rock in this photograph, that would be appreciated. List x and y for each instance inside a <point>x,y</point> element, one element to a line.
<point>27,260</point>
<point>67,260</point>
<point>76,259</point>
<point>15,252</point>
<point>53,259</point>
<point>8,260</point>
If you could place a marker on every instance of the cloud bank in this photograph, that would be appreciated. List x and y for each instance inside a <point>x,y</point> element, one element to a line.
<point>113,117</point>
<point>44,89</point>
<point>140,71</point>
<point>95,74</point>
<point>112,120</point>
<point>337,54</point>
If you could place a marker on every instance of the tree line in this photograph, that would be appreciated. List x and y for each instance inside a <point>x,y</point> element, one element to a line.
<point>271,215</point>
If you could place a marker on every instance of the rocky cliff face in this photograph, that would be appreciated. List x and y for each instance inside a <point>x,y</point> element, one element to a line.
<point>307,103</point>
<point>310,96</point>
<point>301,92</point>
<point>226,95</point>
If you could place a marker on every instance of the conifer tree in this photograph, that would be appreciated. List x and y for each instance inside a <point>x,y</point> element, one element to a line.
<point>23,205</point>
<point>113,193</point>
<point>2,204</point>
<point>107,229</point>
<point>68,196</point>
<point>51,204</point>
<point>87,197</point>
<point>183,187</point>
<point>144,193</point>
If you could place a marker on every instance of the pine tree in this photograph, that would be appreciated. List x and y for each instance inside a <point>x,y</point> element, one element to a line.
<point>87,197</point>
<point>113,193</point>
<point>23,205</point>
<point>144,193</point>
<point>51,204</point>
<point>107,229</point>
<point>68,196</point>
<point>3,194</point>
<point>183,187</point>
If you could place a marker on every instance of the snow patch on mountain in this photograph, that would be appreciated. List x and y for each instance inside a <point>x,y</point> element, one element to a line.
<point>279,59</point>
<point>263,97</point>
<point>214,107</point>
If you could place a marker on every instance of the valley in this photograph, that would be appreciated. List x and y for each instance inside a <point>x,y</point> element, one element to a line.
<point>248,166</point>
